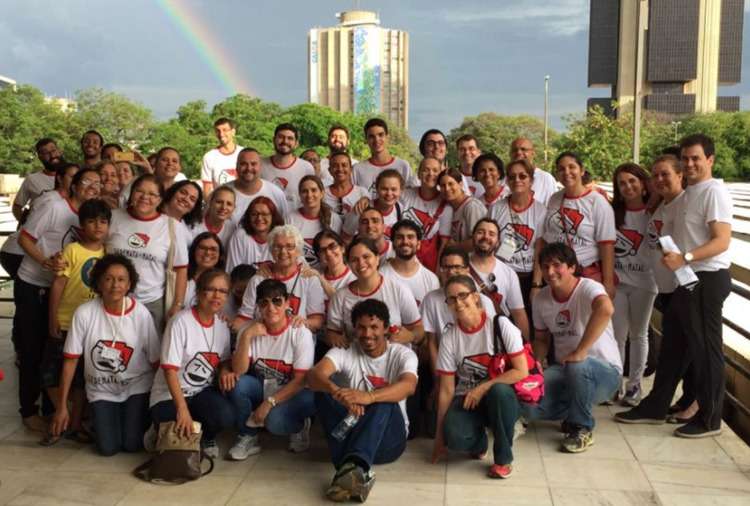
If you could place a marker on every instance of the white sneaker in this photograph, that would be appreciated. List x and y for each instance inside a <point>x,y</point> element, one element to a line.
<point>244,446</point>
<point>300,442</point>
<point>210,448</point>
<point>149,439</point>
<point>519,429</point>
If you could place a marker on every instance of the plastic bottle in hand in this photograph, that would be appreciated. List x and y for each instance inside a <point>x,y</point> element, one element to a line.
<point>344,426</point>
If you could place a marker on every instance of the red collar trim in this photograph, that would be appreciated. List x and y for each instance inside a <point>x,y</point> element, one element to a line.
<point>531,203</point>
<point>335,278</point>
<point>280,166</point>
<point>380,284</point>
<point>578,197</point>
<point>476,329</point>
<point>566,299</point>
<point>330,188</point>
<point>203,324</point>
<point>636,209</point>
<point>212,230</point>
<point>127,311</point>
<point>376,164</point>
<point>70,205</point>
<point>288,277</point>
<point>150,218</point>
<point>384,213</point>
<point>257,240</point>
<point>274,334</point>
<point>306,216</point>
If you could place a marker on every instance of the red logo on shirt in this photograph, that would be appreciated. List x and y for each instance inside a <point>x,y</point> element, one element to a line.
<point>421,218</point>
<point>200,370</point>
<point>474,369</point>
<point>227,175</point>
<point>294,303</point>
<point>628,242</point>
<point>572,219</point>
<point>522,235</point>
<point>377,382</point>
<point>562,319</point>
<point>138,240</point>
<point>280,182</point>
<point>103,363</point>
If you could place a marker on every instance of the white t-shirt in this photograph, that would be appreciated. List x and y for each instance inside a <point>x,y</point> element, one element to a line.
<point>422,282</point>
<point>472,186</point>
<point>269,190</point>
<point>490,203</point>
<point>190,299</point>
<point>306,296</point>
<point>661,224</point>
<point>437,317</point>
<point>339,282</point>
<point>395,295</point>
<point>34,185</point>
<point>508,295</point>
<point>544,185</point>
<point>146,244</point>
<point>345,204</point>
<point>357,370</point>
<point>309,228</point>
<point>93,330</point>
<point>467,353</point>
<point>567,319</point>
<point>219,168</point>
<point>433,216</point>
<point>225,233</point>
<point>276,357</point>
<point>632,262</point>
<point>366,172</point>
<point>52,224</point>
<point>195,350</point>
<point>524,226</point>
<point>246,249</point>
<point>287,178</point>
<point>704,203</point>
<point>465,217</point>
<point>589,221</point>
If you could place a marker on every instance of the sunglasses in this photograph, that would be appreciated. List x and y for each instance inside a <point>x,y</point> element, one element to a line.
<point>277,301</point>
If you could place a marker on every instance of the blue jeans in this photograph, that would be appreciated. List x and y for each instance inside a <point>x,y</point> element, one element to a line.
<point>498,410</point>
<point>572,389</point>
<point>286,418</point>
<point>379,437</point>
<point>119,426</point>
<point>209,407</point>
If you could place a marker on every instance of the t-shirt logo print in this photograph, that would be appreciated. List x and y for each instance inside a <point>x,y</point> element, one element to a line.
<point>628,242</point>
<point>200,370</point>
<point>420,218</point>
<point>474,369</point>
<point>116,365</point>
<point>371,382</point>
<point>227,175</point>
<point>562,319</point>
<point>654,232</point>
<point>138,240</point>
<point>268,368</point>
<point>521,234</point>
<point>280,182</point>
<point>572,219</point>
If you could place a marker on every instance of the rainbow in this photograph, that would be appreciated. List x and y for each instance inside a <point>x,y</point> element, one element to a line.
<point>207,45</point>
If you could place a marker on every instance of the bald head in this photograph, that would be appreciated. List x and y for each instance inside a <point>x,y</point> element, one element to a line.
<point>522,148</point>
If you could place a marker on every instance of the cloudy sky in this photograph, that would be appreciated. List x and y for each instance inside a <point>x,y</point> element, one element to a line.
<point>466,57</point>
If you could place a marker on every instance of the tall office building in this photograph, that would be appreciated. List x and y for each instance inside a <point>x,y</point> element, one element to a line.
<point>7,82</point>
<point>690,48</point>
<point>359,66</point>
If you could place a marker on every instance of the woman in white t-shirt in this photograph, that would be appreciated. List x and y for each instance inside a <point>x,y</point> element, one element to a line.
<point>489,171</point>
<point>205,253</point>
<point>249,244</point>
<point>406,323</point>
<point>343,195</point>
<point>467,211</point>
<point>468,398</point>
<point>637,290</point>
<point>183,201</point>
<point>195,353</point>
<point>314,216</point>
<point>271,360</point>
<point>329,248</point>
<point>582,218</point>
<point>218,216</point>
<point>116,336</point>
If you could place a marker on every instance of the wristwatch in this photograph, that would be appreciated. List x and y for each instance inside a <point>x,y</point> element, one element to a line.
<point>688,257</point>
<point>272,401</point>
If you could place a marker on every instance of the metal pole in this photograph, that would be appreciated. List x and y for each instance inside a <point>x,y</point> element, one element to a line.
<point>546,118</point>
<point>637,98</point>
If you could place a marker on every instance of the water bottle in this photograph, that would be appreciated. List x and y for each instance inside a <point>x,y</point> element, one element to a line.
<point>344,426</point>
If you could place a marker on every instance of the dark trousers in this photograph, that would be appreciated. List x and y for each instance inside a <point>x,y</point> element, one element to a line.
<point>692,330</point>
<point>379,437</point>
<point>119,426</point>
<point>498,410</point>
<point>30,325</point>
<point>209,407</point>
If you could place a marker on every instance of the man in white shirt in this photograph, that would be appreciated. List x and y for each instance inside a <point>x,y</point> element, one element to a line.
<point>377,377</point>
<point>495,279</point>
<point>468,150</point>
<point>248,186</point>
<point>576,313</point>
<point>283,168</point>
<point>366,172</point>
<point>220,164</point>
<point>39,182</point>
<point>544,184</point>
<point>693,321</point>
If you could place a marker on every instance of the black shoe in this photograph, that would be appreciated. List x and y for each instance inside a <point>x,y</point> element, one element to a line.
<point>696,430</point>
<point>633,416</point>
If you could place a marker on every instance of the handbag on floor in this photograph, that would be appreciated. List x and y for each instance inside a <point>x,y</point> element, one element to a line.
<point>178,459</point>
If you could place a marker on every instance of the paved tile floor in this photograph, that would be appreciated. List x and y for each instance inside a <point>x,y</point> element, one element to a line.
<point>628,465</point>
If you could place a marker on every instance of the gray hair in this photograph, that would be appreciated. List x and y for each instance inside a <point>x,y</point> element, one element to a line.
<point>287,231</point>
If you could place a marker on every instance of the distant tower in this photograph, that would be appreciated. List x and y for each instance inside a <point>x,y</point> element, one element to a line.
<point>691,48</point>
<point>358,66</point>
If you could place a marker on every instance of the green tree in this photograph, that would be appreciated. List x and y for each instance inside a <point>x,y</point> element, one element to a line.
<point>495,132</point>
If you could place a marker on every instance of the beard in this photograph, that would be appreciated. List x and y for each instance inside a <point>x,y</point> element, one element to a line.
<point>406,256</point>
<point>484,251</point>
<point>51,165</point>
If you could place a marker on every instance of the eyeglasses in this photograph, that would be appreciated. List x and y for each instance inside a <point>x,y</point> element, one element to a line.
<point>209,249</point>
<point>452,299</point>
<point>277,301</point>
<point>259,215</point>
<point>148,195</point>
<point>214,291</point>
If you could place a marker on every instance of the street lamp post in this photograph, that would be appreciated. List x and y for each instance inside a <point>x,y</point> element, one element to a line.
<point>637,92</point>
<point>546,118</point>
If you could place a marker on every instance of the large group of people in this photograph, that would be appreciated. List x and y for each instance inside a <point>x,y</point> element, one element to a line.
<point>380,302</point>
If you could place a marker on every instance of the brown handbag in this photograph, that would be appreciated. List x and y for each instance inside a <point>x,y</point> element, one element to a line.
<point>178,459</point>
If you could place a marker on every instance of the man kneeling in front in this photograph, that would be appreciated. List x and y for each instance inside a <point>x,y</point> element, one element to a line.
<point>364,419</point>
